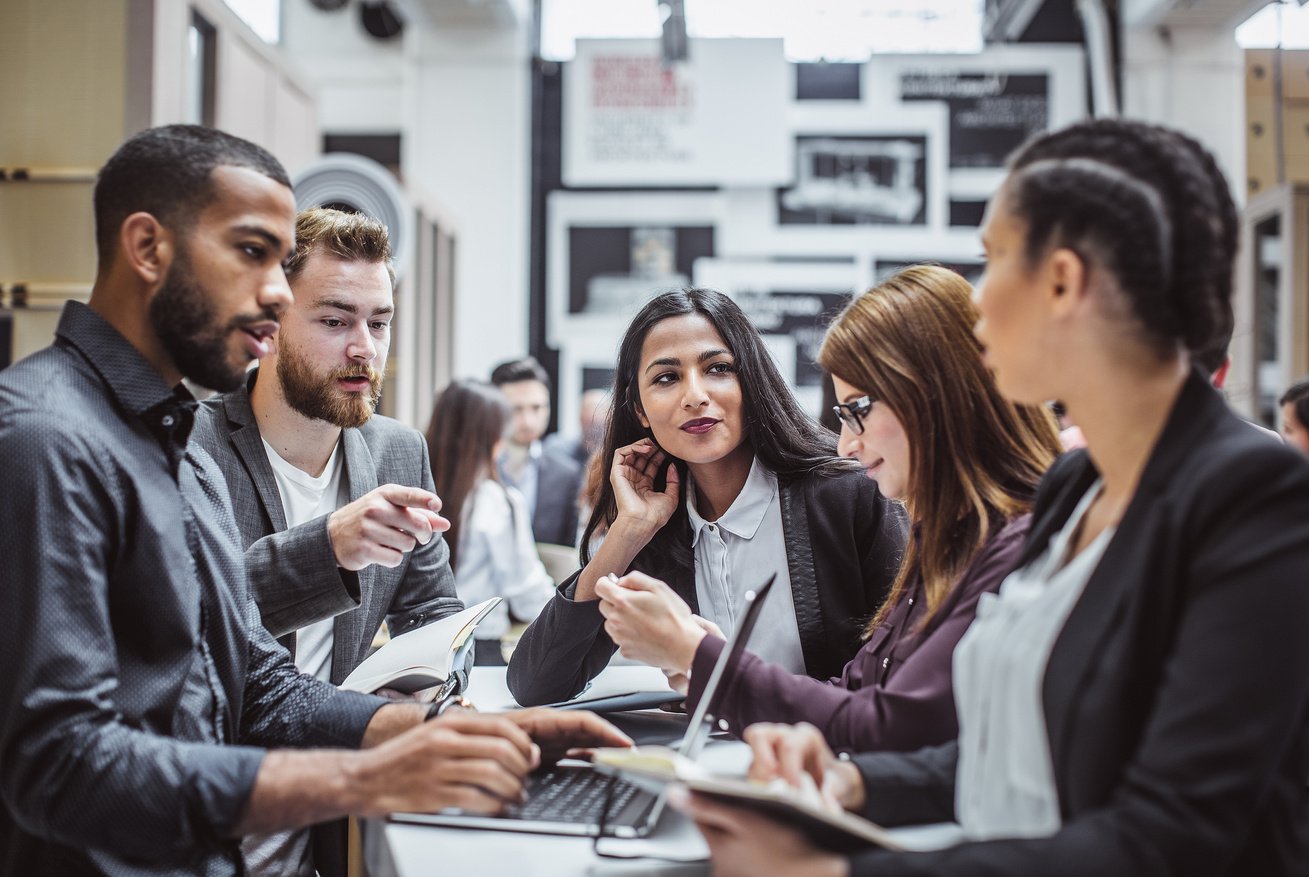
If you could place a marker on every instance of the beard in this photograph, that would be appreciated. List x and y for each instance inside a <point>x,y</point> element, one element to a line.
<point>182,316</point>
<point>315,394</point>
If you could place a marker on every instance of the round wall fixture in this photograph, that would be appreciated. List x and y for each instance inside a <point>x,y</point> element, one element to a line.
<point>354,183</point>
<point>381,19</point>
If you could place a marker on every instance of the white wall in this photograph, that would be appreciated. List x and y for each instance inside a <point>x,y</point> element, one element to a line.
<point>459,95</point>
<point>1192,78</point>
<point>467,102</point>
<point>358,78</point>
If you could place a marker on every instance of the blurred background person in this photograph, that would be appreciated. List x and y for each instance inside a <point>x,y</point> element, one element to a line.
<point>1295,415</point>
<point>491,547</point>
<point>592,416</point>
<point>549,481</point>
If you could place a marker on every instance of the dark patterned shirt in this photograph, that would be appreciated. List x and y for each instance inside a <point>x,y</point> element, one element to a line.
<point>138,688</point>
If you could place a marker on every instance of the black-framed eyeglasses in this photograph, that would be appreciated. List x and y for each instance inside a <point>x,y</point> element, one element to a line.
<point>852,413</point>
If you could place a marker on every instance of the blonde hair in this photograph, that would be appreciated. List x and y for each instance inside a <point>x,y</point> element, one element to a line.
<point>975,457</point>
<point>351,237</point>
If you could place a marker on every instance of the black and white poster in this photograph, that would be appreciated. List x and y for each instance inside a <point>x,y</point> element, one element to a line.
<point>991,114</point>
<point>615,269</point>
<point>802,316</point>
<point>845,179</point>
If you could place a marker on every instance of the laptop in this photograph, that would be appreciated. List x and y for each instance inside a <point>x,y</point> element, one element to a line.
<point>576,799</point>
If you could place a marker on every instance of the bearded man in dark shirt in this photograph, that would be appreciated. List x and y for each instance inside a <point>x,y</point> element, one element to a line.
<point>147,719</point>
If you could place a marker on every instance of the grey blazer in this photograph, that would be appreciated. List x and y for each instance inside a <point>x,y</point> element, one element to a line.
<point>293,572</point>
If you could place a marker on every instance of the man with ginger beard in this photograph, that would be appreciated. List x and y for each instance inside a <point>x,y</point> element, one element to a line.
<point>334,502</point>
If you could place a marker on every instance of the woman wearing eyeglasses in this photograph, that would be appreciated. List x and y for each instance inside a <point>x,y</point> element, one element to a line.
<point>1133,701</point>
<point>717,481</point>
<point>922,415</point>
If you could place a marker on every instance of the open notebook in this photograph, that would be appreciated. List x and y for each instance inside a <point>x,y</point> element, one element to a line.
<point>432,661</point>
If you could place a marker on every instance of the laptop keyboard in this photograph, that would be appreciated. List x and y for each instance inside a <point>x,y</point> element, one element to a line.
<point>576,795</point>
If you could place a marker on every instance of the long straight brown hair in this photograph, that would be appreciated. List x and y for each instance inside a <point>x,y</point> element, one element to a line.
<point>468,419</point>
<point>975,457</point>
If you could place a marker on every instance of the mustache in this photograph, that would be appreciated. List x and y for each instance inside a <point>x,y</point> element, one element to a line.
<point>358,371</point>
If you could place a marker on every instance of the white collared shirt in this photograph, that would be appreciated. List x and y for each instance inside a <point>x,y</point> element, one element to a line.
<point>737,553</point>
<point>497,558</point>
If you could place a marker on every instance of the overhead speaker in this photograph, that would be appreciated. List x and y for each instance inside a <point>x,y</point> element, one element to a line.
<point>360,185</point>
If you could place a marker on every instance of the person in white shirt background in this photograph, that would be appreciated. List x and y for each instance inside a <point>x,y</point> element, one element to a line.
<point>491,546</point>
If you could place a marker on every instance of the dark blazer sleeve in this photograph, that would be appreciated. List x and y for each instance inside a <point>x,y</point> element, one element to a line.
<point>1221,749</point>
<point>559,481</point>
<point>561,651</point>
<point>915,788</point>
<point>912,709</point>
<point>294,575</point>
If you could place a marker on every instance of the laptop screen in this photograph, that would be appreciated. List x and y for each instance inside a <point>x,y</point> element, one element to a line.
<point>702,720</point>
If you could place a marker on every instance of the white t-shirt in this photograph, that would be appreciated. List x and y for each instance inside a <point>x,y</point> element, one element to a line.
<point>304,498</point>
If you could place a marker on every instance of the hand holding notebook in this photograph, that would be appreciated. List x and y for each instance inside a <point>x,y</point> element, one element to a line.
<point>432,661</point>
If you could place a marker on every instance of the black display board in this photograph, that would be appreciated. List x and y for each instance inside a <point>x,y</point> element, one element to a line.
<point>991,114</point>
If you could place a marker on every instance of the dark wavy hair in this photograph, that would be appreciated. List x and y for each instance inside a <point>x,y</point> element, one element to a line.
<point>468,418</point>
<point>785,439</point>
<point>1148,204</point>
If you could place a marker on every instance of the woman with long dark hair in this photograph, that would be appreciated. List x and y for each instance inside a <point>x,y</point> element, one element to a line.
<point>491,548</point>
<point>1133,700</point>
<point>923,417</point>
<point>717,480</point>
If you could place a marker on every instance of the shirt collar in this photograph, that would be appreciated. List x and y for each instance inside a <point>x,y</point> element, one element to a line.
<point>746,512</point>
<point>168,412</point>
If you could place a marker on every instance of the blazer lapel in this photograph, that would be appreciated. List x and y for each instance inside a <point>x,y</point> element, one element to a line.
<point>348,630</point>
<point>1097,611</point>
<point>250,448</point>
<point>804,581</point>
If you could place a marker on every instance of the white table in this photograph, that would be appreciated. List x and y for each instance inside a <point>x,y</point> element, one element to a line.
<point>402,850</point>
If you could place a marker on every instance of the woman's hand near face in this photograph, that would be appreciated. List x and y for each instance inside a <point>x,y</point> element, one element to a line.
<point>642,512</point>
<point>632,475</point>
<point>649,622</point>
<point>745,844</point>
<point>800,756</point>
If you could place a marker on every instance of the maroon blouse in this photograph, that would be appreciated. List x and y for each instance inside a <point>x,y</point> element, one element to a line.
<point>896,693</point>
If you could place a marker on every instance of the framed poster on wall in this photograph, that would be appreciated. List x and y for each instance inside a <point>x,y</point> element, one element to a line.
<point>850,179</point>
<point>608,252</point>
<point>792,303</point>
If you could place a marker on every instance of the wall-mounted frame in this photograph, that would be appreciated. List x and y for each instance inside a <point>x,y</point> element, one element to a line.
<point>608,252</point>
<point>792,303</point>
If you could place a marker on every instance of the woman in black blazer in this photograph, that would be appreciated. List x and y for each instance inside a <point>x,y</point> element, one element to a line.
<point>1173,701</point>
<point>697,397</point>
